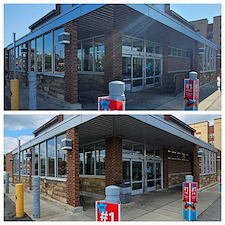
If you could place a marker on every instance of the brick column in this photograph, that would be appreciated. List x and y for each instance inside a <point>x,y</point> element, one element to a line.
<point>71,75</point>
<point>73,180</point>
<point>196,164</point>
<point>114,165</point>
<point>30,167</point>
<point>165,169</point>
<point>113,57</point>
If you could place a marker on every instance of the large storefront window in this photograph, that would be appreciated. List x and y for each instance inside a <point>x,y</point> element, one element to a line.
<point>51,158</point>
<point>36,155</point>
<point>32,50</point>
<point>62,157</point>
<point>207,59</point>
<point>92,158</point>
<point>42,158</point>
<point>88,55</point>
<point>59,53</point>
<point>48,52</point>
<point>91,54</point>
<point>39,53</point>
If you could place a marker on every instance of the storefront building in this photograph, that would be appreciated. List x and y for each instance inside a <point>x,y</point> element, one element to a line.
<point>146,152</point>
<point>80,47</point>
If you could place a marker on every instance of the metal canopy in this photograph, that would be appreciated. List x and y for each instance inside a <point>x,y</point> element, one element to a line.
<point>136,128</point>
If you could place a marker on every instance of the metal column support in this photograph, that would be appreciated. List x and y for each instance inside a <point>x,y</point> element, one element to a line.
<point>36,197</point>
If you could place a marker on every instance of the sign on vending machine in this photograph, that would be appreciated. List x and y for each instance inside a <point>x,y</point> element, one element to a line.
<point>107,211</point>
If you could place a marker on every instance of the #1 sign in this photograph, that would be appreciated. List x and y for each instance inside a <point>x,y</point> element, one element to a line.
<point>107,211</point>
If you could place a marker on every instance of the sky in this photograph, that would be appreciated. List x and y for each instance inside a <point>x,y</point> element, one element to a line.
<point>30,13</point>
<point>20,127</point>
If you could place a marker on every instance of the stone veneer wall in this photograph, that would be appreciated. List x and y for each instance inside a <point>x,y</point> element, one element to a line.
<point>177,178</point>
<point>91,184</point>
<point>207,179</point>
<point>55,189</point>
<point>207,77</point>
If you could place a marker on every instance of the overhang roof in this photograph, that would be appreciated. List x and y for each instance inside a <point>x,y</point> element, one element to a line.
<point>104,17</point>
<point>148,129</point>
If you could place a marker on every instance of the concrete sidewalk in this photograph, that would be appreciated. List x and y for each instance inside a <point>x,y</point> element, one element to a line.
<point>152,99</point>
<point>163,205</point>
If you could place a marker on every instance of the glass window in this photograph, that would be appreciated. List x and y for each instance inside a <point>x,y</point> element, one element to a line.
<point>138,45</point>
<point>100,158</point>
<point>39,49</point>
<point>48,52</point>
<point>157,67</point>
<point>88,55</point>
<point>150,150</point>
<point>42,158</point>
<point>158,49</point>
<point>81,156</point>
<point>32,49</point>
<point>17,58</point>
<point>89,159</point>
<point>158,151</point>
<point>62,157</point>
<point>149,67</point>
<point>126,43</point>
<point>51,158</point>
<point>149,47</point>
<point>127,147</point>
<point>126,67</point>
<point>59,52</point>
<point>24,58</point>
<point>138,149</point>
<point>79,56</point>
<point>36,152</point>
<point>16,163</point>
<point>99,54</point>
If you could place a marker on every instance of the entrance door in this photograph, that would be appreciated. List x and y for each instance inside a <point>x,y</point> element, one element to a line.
<point>137,78</point>
<point>137,176</point>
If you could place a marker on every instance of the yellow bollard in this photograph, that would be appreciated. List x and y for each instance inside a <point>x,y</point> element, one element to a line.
<point>15,97</point>
<point>19,201</point>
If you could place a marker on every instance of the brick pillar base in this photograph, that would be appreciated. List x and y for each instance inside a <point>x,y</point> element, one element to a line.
<point>196,164</point>
<point>71,75</point>
<point>165,169</point>
<point>114,165</point>
<point>73,180</point>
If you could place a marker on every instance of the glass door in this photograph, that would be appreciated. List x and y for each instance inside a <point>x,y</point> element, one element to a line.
<point>137,176</point>
<point>151,176</point>
<point>137,75</point>
<point>150,72</point>
<point>158,173</point>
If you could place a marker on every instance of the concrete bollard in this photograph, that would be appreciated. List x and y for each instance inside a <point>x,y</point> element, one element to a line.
<point>6,183</point>
<point>112,193</point>
<point>193,75</point>
<point>36,197</point>
<point>116,90</point>
<point>19,201</point>
<point>189,179</point>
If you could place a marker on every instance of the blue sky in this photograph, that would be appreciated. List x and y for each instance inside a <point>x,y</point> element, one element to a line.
<point>18,17</point>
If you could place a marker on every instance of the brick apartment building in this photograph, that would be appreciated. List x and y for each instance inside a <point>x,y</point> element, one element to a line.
<point>146,152</point>
<point>211,134</point>
<point>212,32</point>
<point>144,45</point>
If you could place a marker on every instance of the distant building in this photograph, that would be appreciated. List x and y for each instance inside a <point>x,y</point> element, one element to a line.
<point>212,135</point>
<point>212,32</point>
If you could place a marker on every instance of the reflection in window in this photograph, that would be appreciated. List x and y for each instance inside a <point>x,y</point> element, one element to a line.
<point>127,147</point>
<point>36,151</point>
<point>88,55</point>
<point>79,56</point>
<point>32,49</point>
<point>51,158</point>
<point>59,52</point>
<point>138,45</point>
<point>39,54</point>
<point>126,67</point>
<point>89,159</point>
<point>81,156</point>
<point>138,149</point>
<point>99,54</point>
<point>100,158</point>
<point>48,52</point>
<point>42,158</point>
<point>126,43</point>
<point>62,157</point>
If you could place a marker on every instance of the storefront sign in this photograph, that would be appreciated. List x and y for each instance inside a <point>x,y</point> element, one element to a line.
<point>106,104</point>
<point>107,211</point>
<point>191,94</point>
